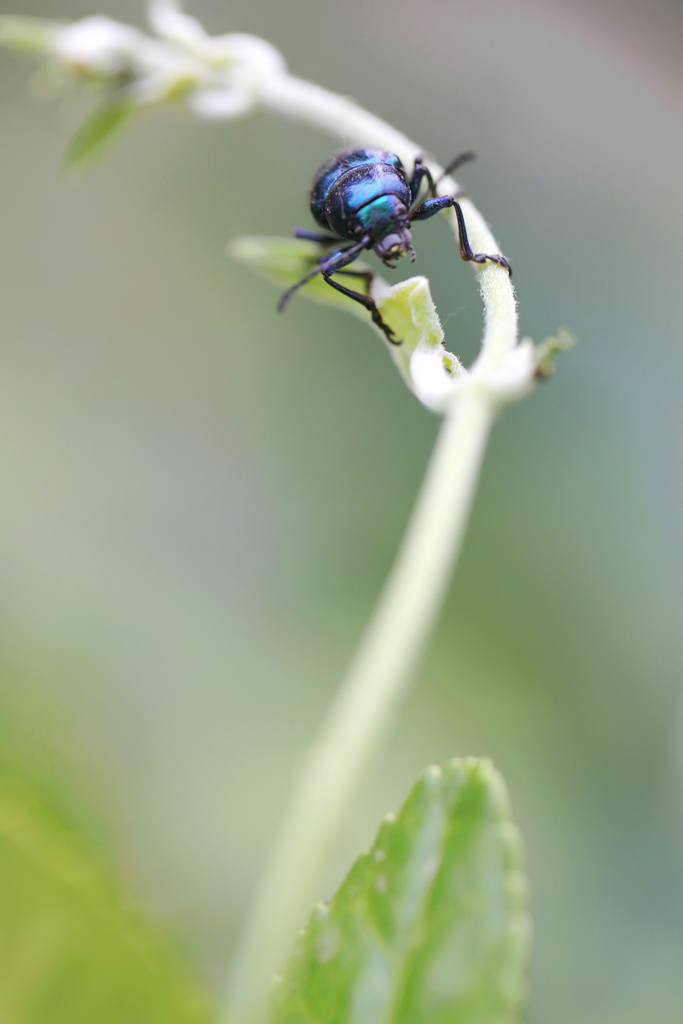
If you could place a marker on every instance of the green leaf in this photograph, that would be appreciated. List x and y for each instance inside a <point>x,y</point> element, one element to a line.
<point>97,130</point>
<point>407,307</point>
<point>427,368</point>
<point>72,948</point>
<point>430,926</point>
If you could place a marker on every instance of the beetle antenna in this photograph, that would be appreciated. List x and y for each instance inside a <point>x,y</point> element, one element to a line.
<point>454,164</point>
<point>413,255</point>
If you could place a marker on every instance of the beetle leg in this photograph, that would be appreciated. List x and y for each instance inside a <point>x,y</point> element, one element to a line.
<point>367,275</point>
<point>315,236</point>
<point>326,265</point>
<point>286,296</point>
<point>420,172</point>
<point>432,206</point>
<point>334,263</point>
<point>366,301</point>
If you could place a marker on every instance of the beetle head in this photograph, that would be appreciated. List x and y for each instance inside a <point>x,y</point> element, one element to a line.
<point>397,243</point>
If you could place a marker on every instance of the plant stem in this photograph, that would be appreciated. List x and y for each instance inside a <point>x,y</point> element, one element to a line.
<point>366,701</point>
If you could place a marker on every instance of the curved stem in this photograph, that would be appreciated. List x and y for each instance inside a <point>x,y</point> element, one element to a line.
<point>402,622</point>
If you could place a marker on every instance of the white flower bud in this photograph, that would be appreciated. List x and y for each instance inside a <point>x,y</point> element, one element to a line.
<point>248,51</point>
<point>98,44</point>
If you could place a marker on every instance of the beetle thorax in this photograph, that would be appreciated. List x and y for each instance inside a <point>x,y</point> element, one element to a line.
<point>385,222</point>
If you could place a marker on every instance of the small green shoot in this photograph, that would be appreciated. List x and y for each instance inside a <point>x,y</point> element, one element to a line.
<point>547,351</point>
<point>99,128</point>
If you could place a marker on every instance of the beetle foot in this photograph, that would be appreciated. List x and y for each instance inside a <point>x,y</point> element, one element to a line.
<point>483,258</point>
<point>388,332</point>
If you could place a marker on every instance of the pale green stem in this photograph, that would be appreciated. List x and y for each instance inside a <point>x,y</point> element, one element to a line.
<point>402,622</point>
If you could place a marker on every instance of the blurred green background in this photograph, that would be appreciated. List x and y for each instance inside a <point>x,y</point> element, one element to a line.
<point>200,500</point>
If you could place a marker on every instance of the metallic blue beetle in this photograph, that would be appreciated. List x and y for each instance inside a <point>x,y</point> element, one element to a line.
<point>366,197</point>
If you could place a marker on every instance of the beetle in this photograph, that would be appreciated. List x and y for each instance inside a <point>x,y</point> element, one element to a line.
<point>364,196</point>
